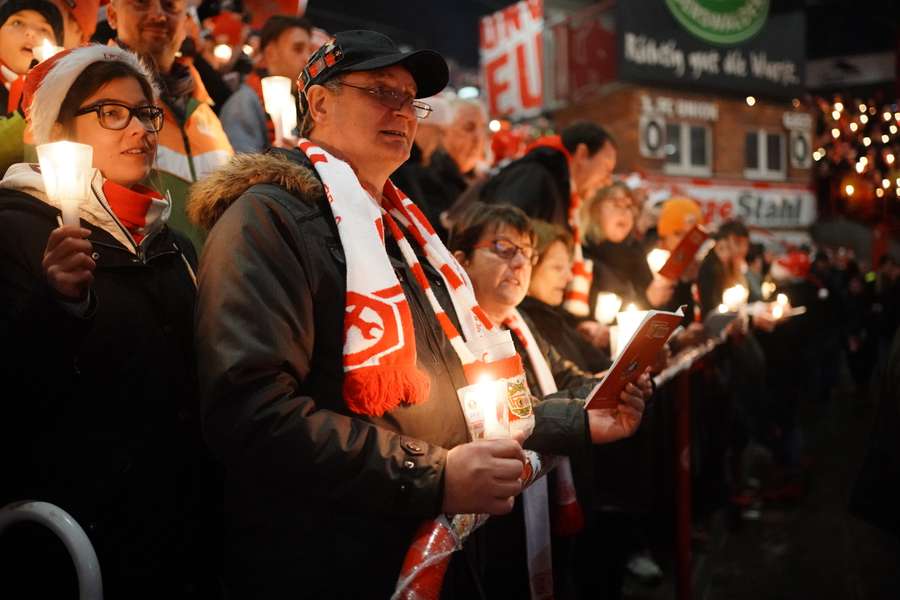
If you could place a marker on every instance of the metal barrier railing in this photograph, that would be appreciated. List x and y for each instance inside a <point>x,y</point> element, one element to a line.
<point>90,583</point>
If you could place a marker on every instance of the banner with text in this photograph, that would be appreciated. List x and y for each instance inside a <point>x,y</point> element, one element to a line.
<point>654,48</point>
<point>511,50</point>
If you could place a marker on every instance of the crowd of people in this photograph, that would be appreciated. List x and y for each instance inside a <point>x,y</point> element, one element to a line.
<point>183,378</point>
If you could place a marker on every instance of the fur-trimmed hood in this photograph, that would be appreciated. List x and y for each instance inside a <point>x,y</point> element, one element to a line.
<point>211,196</point>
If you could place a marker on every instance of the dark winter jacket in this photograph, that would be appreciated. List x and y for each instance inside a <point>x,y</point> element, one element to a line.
<point>558,327</point>
<point>321,502</point>
<point>97,409</point>
<point>621,269</point>
<point>538,183</point>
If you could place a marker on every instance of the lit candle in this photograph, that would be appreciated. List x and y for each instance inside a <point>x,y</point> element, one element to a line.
<point>628,322</point>
<point>777,311</point>
<point>280,104</point>
<point>657,258</point>
<point>768,288</point>
<point>782,300</point>
<point>45,50</point>
<point>735,297</point>
<point>723,309</point>
<point>608,304</point>
<point>488,398</point>
<point>222,52</point>
<point>66,171</point>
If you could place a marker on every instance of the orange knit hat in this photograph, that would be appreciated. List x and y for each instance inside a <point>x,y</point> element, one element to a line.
<point>678,212</point>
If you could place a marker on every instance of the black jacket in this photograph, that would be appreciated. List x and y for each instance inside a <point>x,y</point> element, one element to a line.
<point>321,501</point>
<point>558,327</point>
<point>538,183</point>
<point>620,268</point>
<point>97,410</point>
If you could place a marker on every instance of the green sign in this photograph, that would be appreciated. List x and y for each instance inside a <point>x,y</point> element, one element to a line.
<point>721,21</point>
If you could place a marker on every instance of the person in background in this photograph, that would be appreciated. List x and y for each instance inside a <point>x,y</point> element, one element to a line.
<point>24,24</point>
<point>285,48</point>
<point>620,261</point>
<point>97,317</point>
<point>414,176</point>
<point>452,168</point>
<point>79,20</point>
<point>193,143</point>
<point>495,244</point>
<point>542,183</point>
<point>543,304</point>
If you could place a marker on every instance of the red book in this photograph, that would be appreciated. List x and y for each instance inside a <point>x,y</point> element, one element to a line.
<point>684,253</point>
<point>639,353</point>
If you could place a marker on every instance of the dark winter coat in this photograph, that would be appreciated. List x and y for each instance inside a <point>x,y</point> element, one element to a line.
<point>538,183</point>
<point>97,410</point>
<point>321,502</point>
<point>621,269</point>
<point>558,327</point>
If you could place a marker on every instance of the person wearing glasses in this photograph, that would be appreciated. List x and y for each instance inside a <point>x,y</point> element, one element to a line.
<point>193,143</point>
<point>97,362</point>
<point>497,246</point>
<point>330,327</point>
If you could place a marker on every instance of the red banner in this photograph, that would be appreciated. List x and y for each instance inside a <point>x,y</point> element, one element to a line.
<point>511,51</point>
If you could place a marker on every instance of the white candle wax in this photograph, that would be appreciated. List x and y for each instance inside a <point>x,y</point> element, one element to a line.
<point>657,258</point>
<point>608,304</point>
<point>628,322</point>
<point>66,171</point>
<point>279,103</point>
<point>491,399</point>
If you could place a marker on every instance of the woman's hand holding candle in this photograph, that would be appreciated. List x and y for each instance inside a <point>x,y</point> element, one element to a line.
<point>67,263</point>
<point>611,425</point>
<point>483,476</point>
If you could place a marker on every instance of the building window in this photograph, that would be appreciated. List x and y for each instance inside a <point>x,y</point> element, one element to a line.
<point>688,149</point>
<point>764,155</point>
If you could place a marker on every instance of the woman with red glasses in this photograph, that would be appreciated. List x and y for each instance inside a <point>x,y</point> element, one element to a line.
<point>96,319</point>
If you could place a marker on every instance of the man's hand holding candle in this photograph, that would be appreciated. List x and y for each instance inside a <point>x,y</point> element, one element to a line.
<point>483,476</point>
<point>67,263</point>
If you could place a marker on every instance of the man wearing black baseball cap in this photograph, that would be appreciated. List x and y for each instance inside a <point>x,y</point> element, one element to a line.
<point>329,351</point>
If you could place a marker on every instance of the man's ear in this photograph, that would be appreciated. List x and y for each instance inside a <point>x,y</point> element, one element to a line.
<point>581,152</point>
<point>319,106</point>
<point>112,15</point>
<point>460,257</point>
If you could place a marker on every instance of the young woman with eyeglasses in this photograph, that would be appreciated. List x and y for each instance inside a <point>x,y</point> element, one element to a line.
<point>97,362</point>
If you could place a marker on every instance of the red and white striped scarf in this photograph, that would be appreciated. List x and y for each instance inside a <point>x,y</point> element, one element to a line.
<point>379,341</point>
<point>568,518</point>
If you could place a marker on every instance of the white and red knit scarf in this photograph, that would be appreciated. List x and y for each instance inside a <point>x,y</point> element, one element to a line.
<point>568,518</point>
<point>379,341</point>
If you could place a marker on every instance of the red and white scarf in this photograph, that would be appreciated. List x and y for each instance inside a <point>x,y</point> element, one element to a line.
<point>568,518</point>
<point>380,369</point>
<point>14,84</point>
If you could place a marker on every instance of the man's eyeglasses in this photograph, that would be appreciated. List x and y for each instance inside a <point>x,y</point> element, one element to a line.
<point>116,116</point>
<point>393,99</point>
<point>507,250</point>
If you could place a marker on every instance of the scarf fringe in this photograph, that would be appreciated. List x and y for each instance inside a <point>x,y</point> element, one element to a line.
<point>380,389</point>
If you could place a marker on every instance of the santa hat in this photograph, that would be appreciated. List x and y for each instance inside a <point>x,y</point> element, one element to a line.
<point>229,25</point>
<point>48,83</point>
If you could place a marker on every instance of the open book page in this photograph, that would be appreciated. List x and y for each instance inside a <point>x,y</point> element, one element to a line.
<point>640,352</point>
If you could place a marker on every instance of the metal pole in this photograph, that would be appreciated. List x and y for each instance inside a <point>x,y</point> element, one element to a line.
<point>683,485</point>
<point>90,583</point>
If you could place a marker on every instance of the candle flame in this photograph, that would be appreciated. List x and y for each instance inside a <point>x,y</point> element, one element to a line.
<point>608,304</point>
<point>723,309</point>
<point>777,311</point>
<point>735,296</point>
<point>782,300</point>
<point>657,258</point>
<point>222,52</point>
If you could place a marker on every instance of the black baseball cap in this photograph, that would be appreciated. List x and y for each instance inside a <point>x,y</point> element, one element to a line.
<point>362,50</point>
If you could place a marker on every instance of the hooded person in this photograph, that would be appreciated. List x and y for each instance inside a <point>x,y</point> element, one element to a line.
<point>332,331</point>
<point>97,319</point>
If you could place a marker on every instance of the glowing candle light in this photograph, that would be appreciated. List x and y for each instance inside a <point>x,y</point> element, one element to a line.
<point>45,50</point>
<point>735,297</point>
<point>863,119</point>
<point>628,322</point>
<point>222,52</point>
<point>777,311</point>
<point>782,300</point>
<point>248,49</point>
<point>66,171</point>
<point>608,304</point>
<point>279,104</point>
<point>657,258</point>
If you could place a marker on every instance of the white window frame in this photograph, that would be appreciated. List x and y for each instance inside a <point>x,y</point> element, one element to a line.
<point>684,167</point>
<point>763,172</point>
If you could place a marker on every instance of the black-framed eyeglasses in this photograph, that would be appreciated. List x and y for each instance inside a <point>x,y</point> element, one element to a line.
<point>116,116</point>
<point>507,250</point>
<point>393,99</point>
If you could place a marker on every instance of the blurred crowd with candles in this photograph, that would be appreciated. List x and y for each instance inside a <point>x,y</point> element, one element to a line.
<point>514,246</point>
